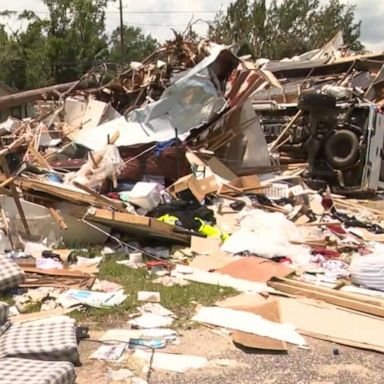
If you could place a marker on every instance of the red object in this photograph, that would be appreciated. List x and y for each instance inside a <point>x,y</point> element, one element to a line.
<point>113,195</point>
<point>337,229</point>
<point>151,264</point>
<point>327,253</point>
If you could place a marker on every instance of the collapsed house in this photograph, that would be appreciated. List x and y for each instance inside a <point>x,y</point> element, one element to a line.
<point>225,157</point>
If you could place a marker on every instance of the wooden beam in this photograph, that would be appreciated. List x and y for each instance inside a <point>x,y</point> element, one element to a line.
<point>328,295</point>
<point>119,206</point>
<point>39,157</point>
<point>141,226</point>
<point>25,97</point>
<point>59,191</point>
<point>57,217</point>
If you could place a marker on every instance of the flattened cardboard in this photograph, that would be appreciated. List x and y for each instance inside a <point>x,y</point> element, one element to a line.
<point>270,311</point>
<point>320,320</point>
<point>254,268</point>
<point>212,261</point>
<point>205,245</point>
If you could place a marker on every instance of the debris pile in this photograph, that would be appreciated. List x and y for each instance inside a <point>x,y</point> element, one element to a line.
<point>200,167</point>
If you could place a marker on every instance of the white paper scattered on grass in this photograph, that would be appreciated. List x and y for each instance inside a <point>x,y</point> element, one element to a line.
<point>172,362</point>
<point>248,322</point>
<point>153,297</point>
<point>155,309</point>
<point>214,278</point>
<point>109,352</point>
<point>150,320</point>
<point>91,298</point>
<point>124,335</point>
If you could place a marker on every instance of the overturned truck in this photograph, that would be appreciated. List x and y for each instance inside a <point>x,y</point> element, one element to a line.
<point>324,109</point>
<point>342,142</point>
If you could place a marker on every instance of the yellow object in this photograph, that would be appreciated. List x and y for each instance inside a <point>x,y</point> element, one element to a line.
<point>169,219</point>
<point>211,231</point>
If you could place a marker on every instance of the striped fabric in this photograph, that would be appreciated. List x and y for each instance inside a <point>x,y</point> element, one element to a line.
<point>368,271</point>
<point>23,371</point>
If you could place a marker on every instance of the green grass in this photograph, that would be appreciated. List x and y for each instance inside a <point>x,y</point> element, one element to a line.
<point>181,300</point>
<point>6,298</point>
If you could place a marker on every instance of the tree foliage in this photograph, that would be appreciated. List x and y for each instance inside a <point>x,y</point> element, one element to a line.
<point>63,46</point>
<point>137,45</point>
<point>285,28</point>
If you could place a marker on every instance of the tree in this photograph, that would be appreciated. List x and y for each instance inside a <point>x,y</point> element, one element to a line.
<point>76,36</point>
<point>284,28</point>
<point>65,45</point>
<point>137,45</point>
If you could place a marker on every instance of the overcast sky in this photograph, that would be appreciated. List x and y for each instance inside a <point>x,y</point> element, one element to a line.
<point>176,13</point>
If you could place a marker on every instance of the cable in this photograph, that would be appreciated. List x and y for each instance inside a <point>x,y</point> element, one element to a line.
<point>147,12</point>
<point>122,243</point>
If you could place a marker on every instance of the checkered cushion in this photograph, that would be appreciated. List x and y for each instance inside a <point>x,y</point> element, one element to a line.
<point>4,308</point>
<point>4,323</point>
<point>11,275</point>
<point>53,340</point>
<point>23,371</point>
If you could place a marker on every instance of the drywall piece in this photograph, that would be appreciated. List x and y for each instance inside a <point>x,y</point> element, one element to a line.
<point>243,301</point>
<point>329,322</point>
<point>248,322</point>
<point>198,276</point>
<point>172,362</point>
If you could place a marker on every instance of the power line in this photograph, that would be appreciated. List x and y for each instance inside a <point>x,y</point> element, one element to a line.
<point>162,25</point>
<point>149,12</point>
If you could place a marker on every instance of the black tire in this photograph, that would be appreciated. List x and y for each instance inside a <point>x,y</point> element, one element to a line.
<point>342,148</point>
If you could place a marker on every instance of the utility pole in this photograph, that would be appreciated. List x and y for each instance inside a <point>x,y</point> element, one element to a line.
<point>122,30</point>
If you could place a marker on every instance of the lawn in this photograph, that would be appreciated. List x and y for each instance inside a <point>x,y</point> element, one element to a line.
<point>181,300</point>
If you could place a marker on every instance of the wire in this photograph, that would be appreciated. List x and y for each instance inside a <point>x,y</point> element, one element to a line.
<point>148,12</point>
<point>123,244</point>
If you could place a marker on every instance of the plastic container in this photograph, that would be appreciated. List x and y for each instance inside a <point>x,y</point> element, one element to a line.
<point>145,195</point>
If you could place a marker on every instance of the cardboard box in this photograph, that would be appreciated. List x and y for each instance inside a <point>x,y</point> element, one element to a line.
<point>244,183</point>
<point>217,167</point>
<point>198,188</point>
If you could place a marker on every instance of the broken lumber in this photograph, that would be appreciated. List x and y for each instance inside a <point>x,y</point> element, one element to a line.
<point>33,95</point>
<point>342,299</point>
<point>104,201</point>
<point>141,226</point>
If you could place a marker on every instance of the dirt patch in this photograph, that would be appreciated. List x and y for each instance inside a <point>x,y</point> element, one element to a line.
<point>356,370</point>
